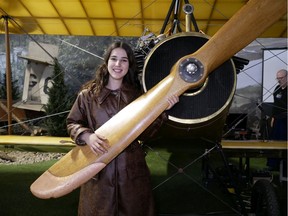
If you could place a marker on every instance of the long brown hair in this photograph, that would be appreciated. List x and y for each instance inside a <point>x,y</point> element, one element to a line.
<point>102,74</point>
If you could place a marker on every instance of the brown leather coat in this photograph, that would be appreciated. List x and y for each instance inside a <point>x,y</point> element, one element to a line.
<point>123,187</point>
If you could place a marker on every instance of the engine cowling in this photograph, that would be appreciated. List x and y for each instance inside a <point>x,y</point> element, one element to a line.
<point>200,112</point>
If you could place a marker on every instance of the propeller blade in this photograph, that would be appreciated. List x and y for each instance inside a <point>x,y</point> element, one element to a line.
<point>244,27</point>
<point>80,164</point>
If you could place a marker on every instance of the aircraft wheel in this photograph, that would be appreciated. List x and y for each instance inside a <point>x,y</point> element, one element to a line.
<point>263,199</point>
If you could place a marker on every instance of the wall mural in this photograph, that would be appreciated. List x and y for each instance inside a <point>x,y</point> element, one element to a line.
<point>80,55</point>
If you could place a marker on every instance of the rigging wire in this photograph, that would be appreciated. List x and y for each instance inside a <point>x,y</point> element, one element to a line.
<point>126,23</point>
<point>223,15</point>
<point>62,69</point>
<point>137,13</point>
<point>152,2</point>
<point>261,62</point>
<point>77,47</point>
<point>274,55</point>
<point>36,119</point>
<point>189,176</point>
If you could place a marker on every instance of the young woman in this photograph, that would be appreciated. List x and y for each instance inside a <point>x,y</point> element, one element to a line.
<point>123,187</point>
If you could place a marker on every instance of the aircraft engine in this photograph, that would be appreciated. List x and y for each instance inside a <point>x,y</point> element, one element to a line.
<point>201,112</point>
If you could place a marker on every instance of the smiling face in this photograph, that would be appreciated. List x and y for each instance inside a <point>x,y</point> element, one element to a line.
<point>118,66</point>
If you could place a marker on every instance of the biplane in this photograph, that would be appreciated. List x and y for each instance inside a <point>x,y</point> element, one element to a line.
<point>200,65</point>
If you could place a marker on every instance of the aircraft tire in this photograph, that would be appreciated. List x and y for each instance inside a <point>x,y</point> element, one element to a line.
<point>264,199</point>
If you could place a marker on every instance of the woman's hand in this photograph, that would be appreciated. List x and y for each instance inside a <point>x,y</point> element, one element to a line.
<point>172,100</point>
<point>97,143</point>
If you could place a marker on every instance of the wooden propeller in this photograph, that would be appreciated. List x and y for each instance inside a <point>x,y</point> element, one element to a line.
<point>80,164</point>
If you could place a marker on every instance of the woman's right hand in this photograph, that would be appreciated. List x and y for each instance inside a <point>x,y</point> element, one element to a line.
<point>98,144</point>
<point>172,100</point>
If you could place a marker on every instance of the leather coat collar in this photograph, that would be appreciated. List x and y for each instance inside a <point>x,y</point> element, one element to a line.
<point>127,94</point>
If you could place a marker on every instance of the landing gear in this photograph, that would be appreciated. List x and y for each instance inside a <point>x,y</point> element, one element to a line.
<point>264,199</point>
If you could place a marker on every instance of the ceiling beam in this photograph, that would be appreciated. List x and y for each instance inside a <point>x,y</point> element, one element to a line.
<point>61,18</point>
<point>87,17</point>
<point>114,19</point>
<point>24,6</point>
<point>210,16</point>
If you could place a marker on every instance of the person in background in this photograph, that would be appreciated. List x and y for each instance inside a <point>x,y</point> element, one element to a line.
<point>279,114</point>
<point>279,111</point>
<point>123,187</point>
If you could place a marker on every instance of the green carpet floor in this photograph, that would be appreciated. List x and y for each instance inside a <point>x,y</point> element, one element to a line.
<point>181,186</point>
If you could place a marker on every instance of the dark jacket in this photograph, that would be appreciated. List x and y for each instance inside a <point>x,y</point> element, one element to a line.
<point>123,187</point>
<point>280,103</point>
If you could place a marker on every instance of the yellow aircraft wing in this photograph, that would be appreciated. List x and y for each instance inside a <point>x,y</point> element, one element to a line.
<point>118,18</point>
<point>36,143</point>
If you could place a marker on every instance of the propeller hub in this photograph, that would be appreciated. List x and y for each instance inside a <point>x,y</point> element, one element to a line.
<point>191,70</point>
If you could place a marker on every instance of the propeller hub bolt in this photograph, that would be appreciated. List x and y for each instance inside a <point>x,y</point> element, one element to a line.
<point>191,70</point>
